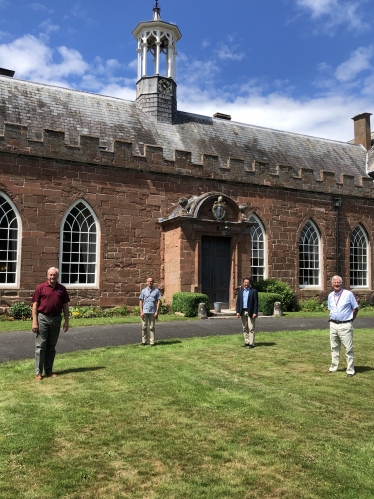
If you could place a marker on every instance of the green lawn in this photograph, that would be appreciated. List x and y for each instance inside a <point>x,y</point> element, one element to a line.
<point>8,326</point>
<point>190,419</point>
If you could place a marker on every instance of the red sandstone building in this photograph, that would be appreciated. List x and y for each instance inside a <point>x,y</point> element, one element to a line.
<point>112,191</point>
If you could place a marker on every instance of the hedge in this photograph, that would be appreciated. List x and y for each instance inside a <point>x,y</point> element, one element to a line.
<point>266,302</point>
<point>289,300</point>
<point>188,303</point>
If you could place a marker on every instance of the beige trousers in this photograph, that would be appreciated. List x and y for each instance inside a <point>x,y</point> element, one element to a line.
<point>342,334</point>
<point>148,321</point>
<point>248,328</point>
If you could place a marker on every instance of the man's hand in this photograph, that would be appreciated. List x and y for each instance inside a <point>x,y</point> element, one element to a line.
<point>65,326</point>
<point>254,316</point>
<point>35,327</point>
<point>237,316</point>
<point>156,314</point>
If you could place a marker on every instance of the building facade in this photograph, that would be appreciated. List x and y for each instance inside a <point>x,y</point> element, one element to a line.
<point>112,191</point>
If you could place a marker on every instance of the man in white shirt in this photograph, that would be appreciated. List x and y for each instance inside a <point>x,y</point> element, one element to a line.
<point>343,310</point>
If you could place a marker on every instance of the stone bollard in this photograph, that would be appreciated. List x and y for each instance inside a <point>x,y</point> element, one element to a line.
<point>202,314</point>
<point>277,309</point>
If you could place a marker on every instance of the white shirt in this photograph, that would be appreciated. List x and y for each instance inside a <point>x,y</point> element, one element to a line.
<point>341,305</point>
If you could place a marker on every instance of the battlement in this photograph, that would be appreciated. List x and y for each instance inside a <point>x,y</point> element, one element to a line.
<point>53,147</point>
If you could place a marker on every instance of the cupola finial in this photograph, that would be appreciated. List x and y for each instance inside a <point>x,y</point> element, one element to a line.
<point>156,12</point>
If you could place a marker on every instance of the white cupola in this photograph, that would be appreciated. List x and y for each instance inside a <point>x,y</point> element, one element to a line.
<point>156,89</point>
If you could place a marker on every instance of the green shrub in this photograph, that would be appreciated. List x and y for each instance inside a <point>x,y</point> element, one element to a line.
<point>164,308</point>
<point>188,303</point>
<point>20,311</point>
<point>365,303</point>
<point>313,305</point>
<point>116,312</point>
<point>136,310</point>
<point>266,302</point>
<point>289,300</point>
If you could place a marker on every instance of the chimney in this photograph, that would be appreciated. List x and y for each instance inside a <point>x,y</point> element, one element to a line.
<point>6,72</point>
<point>222,116</point>
<point>362,130</point>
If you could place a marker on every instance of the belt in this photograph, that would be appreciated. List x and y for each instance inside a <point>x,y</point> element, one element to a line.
<point>50,315</point>
<point>245,309</point>
<point>339,322</point>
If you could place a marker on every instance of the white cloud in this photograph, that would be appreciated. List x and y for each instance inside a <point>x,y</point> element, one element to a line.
<point>334,13</point>
<point>33,59</point>
<point>38,6</point>
<point>48,27</point>
<point>224,52</point>
<point>359,61</point>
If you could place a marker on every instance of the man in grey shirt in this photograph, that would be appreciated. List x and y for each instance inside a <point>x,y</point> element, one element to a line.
<point>149,304</point>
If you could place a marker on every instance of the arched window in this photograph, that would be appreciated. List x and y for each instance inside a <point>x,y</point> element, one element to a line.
<point>10,230</point>
<point>258,269</point>
<point>359,258</point>
<point>79,240</point>
<point>309,256</point>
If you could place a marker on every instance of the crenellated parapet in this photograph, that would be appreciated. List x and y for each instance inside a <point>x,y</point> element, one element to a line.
<point>89,152</point>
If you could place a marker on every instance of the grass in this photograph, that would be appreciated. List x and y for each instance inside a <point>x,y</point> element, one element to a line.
<point>195,418</point>
<point>8,326</point>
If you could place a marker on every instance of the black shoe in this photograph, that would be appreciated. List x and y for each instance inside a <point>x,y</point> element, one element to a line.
<point>143,344</point>
<point>245,345</point>
<point>152,345</point>
<point>251,346</point>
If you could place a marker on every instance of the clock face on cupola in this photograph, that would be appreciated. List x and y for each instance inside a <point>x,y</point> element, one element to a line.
<point>156,88</point>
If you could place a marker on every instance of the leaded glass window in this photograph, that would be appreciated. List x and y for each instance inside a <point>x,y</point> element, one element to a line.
<point>9,242</point>
<point>309,256</point>
<point>79,247</point>
<point>257,249</point>
<point>358,258</point>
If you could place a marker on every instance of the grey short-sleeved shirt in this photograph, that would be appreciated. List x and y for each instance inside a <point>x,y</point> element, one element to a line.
<point>150,299</point>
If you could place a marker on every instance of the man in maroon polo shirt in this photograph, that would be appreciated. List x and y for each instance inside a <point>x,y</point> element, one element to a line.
<point>50,299</point>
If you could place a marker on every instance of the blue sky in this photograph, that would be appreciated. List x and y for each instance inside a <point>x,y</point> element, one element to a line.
<point>305,66</point>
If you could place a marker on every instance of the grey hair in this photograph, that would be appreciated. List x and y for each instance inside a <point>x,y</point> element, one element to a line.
<point>337,277</point>
<point>52,268</point>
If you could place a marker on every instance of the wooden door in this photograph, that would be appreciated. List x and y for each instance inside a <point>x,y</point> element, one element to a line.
<point>215,269</point>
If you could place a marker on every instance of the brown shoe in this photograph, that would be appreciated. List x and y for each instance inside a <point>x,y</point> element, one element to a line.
<point>51,375</point>
<point>350,375</point>
<point>38,377</point>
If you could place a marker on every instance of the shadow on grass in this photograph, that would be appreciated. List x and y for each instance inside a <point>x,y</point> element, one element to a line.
<point>267,344</point>
<point>163,343</point>
<point>79,370</point>
<point>362,369</point>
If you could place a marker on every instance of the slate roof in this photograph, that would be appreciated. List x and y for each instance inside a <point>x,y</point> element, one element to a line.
<point>40,106</point>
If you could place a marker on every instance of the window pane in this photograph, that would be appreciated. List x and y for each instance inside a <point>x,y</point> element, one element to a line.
<point>8,242</point>
<point>309,256</point>
<point>358,258</point>
<point>80,228</point>
<point>257,249</point>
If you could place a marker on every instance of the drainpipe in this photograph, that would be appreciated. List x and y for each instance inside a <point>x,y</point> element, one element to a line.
<point>337,204</point>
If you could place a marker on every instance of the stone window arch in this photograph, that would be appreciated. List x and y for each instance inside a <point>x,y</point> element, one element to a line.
<point>258,249</point>
<point>80,234</point>
<point>10,243</point>
<point>359,258</point>
<point>309,256</point>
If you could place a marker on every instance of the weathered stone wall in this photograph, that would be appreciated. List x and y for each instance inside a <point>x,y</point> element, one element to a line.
<point>130,193</point>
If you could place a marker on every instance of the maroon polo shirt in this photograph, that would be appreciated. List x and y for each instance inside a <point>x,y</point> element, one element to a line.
<point>50,300</point>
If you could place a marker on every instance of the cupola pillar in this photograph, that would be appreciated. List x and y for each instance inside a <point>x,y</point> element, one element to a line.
<point>156,88</point>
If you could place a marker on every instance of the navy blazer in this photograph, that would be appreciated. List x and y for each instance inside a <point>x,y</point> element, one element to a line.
<point>252,302</point>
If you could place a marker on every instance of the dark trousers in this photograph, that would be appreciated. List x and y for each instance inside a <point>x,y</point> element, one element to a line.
<point>45,342</point>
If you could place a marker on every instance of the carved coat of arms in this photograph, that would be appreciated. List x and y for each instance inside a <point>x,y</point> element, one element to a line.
<point>219,209</point>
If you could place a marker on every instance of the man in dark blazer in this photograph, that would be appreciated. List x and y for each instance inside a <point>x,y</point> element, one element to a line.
<point>247,309</point>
